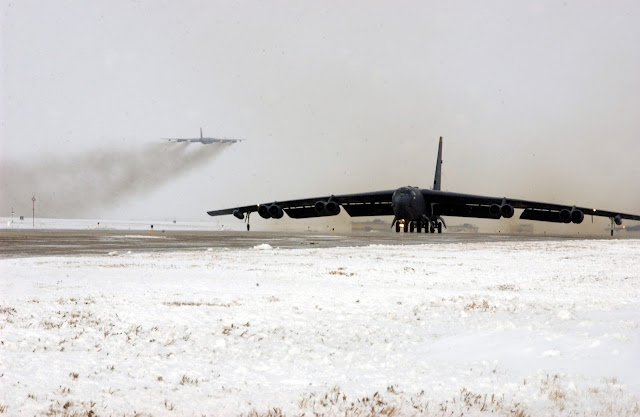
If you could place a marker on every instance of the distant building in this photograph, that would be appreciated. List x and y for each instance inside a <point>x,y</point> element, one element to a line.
<point>520,229</point>
<point>628,229</point>
<point>376,225</point>
<point>462,228</point>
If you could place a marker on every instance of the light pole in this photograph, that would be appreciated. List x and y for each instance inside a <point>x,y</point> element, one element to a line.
<point>33,212</point>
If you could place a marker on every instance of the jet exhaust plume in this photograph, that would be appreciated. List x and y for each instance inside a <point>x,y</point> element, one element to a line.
<point>78,185</point>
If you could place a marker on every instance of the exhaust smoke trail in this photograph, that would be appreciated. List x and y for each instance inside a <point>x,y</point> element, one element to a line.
<point>76,185</point>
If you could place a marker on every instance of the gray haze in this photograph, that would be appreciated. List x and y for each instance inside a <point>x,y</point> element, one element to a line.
<point>534,100</point>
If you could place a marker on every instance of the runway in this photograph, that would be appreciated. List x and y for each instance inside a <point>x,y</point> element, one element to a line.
<point>58,242</point>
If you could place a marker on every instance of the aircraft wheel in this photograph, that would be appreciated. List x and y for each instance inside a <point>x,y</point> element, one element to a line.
<point>432,229</point>
<point>419,227</point>
<point>406,227</point>
<point>412,227</point>
<point>439,227</point>
<point>397,227</point>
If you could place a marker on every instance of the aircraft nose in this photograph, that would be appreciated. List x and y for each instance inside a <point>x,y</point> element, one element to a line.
<point>401,206</point>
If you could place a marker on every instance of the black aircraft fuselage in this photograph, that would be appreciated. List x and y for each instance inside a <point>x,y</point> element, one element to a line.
<point>408,204</point>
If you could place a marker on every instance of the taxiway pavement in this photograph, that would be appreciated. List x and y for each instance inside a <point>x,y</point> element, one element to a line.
<point>56,242</point>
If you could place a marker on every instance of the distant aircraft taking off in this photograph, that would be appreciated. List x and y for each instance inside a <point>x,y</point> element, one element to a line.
<point>204,140</point>
<point>416,209</point>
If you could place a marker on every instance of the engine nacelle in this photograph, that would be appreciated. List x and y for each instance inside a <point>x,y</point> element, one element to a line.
<point>263,211</point>
<point>506,210</point>
<point>332,208</point>
<point>327,208</point>
<point>238,214</point>
<point>618,220</point>
<point>577,216</point>
<point>494,211</point>
<point>276,211</point>
<point>501,210</point>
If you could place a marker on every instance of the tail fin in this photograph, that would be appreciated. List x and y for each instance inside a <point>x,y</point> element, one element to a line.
<point>436,179</point>
<point>200,133</point>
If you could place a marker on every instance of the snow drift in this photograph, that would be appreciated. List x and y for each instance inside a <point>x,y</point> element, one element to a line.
<point>501,328</point>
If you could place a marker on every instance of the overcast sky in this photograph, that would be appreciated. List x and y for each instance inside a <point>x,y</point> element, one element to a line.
<point>535,100</point>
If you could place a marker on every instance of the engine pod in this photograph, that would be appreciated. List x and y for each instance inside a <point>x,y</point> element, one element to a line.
<point>494,211</point>
<point>506,210</point>
<point>263,211</point>
<point>276,211</point>
<point>332,208</point>
<point>577,216</point>
<point>565,216</point>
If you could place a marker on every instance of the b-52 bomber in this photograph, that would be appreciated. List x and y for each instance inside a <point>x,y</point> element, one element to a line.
<point>415,209</point>
<point>203,140</point>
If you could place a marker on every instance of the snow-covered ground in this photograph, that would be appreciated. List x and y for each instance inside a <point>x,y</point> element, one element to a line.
<point>502,328</point>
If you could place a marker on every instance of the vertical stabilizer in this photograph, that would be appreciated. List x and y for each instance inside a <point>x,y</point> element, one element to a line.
<point>200,133</point>
<point>436,179</point>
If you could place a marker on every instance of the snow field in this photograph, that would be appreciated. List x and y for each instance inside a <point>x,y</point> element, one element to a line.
<point>503,328</point>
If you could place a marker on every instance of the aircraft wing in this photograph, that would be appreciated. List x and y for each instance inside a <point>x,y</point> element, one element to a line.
<point>468,205</point>
<point>204,141</point>
<point>443,203</point>
<point>377,203</point>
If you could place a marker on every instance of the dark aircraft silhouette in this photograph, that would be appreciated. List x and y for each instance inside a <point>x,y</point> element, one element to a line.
<point>204,141</point>
<point>416,209</point>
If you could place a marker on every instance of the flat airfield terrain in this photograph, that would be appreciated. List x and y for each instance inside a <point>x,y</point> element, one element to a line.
<point>66,242</point>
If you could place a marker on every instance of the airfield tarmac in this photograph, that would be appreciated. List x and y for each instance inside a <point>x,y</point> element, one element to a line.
<point>21,243</point>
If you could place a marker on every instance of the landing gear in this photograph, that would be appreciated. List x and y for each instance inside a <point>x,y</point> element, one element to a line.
<point>435,225</point>
<point>612,227</point>
<point>417,226</point>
